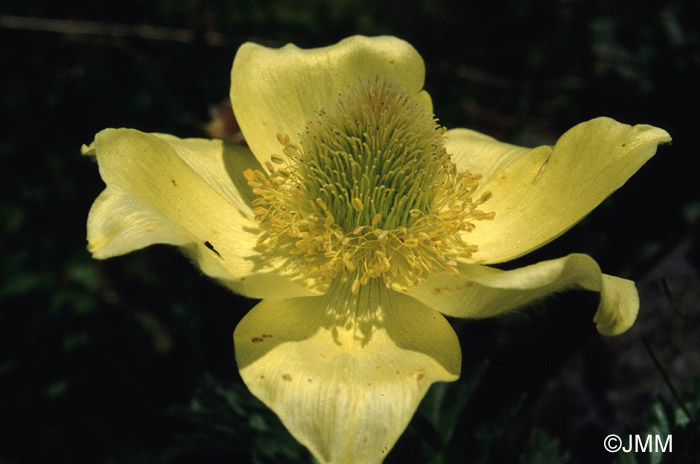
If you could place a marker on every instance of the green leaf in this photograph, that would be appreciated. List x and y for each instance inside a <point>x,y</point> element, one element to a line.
<point>543,449</point>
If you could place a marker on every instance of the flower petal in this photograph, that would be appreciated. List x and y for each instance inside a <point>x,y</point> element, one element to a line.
<point>189,193</point>
<point>278,90</point>
<point>539,194</point>
<point>345,372</point>
<point>481,291</point>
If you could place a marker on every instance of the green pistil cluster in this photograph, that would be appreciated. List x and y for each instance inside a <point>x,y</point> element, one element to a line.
<point>374,151</point>
<point>369,192</point>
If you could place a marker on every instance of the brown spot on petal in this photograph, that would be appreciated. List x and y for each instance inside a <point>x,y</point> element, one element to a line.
<point>256,339</point>
<point>438,291</point>
<point>287,377</point>
<point>172,181</point>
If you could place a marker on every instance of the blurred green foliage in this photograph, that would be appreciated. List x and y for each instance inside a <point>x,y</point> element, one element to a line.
<point>131,360</point>
<point>679,421</point>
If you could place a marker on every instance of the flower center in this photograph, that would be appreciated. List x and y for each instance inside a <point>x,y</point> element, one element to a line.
<point>368,192</point>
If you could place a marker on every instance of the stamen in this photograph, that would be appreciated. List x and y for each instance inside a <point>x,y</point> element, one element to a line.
<point>368,192</point>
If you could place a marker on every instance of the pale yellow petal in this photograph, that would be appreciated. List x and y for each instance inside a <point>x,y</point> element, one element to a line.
<point>480,291</point>
<point>277,90</point>
<point>345,373</point>
<point>188,193</point>
<point>220,165</point>
<point>539,194</point>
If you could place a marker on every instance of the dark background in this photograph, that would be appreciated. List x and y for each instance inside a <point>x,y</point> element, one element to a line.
<point>130,360</point>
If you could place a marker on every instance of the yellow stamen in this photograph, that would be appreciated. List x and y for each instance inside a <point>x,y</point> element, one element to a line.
<point>367,192</point>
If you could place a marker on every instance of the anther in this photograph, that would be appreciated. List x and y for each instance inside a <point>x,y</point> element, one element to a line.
<point>249,175</point>
<point>410,242</point>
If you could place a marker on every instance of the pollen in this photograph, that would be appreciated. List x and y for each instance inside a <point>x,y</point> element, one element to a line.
<point>367,191</point>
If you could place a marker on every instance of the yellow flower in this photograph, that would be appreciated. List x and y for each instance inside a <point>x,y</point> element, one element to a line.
<point>359,220</point>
